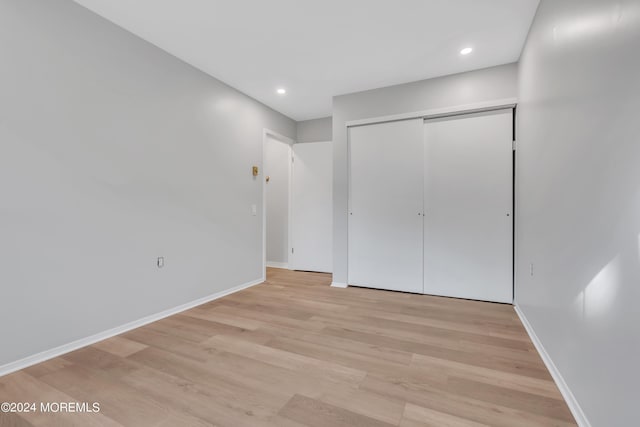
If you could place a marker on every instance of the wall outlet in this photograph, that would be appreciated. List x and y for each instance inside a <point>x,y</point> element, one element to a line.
<point>160,262</point>
<point>254,210</point>
<point>531,269</point>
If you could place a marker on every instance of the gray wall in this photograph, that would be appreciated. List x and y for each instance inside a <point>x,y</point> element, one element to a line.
<point>112,153</point>
<point>579,199</point>
<point>316,130</point>
<point>459,89</point>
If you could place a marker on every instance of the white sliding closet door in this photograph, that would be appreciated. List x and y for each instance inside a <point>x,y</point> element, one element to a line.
<point>385,212</point>
<point>312,207</point>
<point>468,206</point>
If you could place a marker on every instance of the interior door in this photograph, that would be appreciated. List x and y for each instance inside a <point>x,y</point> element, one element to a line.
<point>385,212</point>
<point>468,186</point>
<point>312,207</point>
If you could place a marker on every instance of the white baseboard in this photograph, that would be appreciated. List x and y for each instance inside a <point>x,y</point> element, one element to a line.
<point>274,264</point>
<point>83,342</point>
<point>572,403</point>
<point>338,285</point>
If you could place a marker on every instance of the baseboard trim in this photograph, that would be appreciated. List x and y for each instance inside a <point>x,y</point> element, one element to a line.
<point>338,285</point>
<point>572,403</point>
<point>273,264</point>
<point>83,342</point>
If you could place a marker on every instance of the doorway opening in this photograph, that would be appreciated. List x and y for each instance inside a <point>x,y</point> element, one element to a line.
<point>298,204</point>
<point>276,165</point>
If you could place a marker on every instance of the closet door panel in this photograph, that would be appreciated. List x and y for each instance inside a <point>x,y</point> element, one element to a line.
<point>468,206</point>
<point>386,204</point>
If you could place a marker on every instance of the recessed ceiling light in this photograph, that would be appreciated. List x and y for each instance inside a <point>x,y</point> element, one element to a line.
<point>466,51</point>
<point>281,91</point>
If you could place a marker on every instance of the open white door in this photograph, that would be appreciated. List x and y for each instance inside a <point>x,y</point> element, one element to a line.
<point>468,202</point>
<point>312,207</point>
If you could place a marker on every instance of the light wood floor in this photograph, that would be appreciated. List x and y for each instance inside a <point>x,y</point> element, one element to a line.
<point>296,352</point>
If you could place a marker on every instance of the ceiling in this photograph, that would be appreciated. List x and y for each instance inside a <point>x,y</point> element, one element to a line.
<point>318,49</point>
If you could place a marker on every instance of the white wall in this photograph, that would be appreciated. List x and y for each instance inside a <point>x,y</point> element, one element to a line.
<point>315,130</point>
<point>112,153</point>
<point>277,166</point>
<point>459,89</point>
<point>579,199</point>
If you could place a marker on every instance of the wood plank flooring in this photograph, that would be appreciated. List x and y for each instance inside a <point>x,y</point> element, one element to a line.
<point>295,352</point>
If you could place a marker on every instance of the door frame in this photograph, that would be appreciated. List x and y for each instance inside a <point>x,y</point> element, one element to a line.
<point>266,133</point>
<point>478,107</point>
